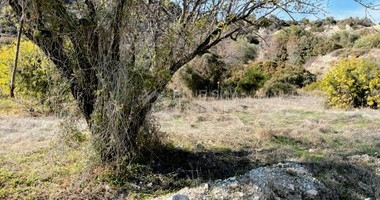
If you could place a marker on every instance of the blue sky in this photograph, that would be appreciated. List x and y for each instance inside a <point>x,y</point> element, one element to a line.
<point>341,9</point>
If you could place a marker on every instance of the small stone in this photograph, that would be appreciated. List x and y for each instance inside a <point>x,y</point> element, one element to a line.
<point>233,185</point>
<point>135,186</point>
<point>180,197</point>
<point>312,192</point>
<point>240,194</point>
<point>206,186</point>
<point>149,185</point>
<point>291,186</point>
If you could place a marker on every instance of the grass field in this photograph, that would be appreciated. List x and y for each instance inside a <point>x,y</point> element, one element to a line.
<point>47,157</point>
<point>290,128</point>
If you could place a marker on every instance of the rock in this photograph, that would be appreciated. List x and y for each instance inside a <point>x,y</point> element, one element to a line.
<point>289,180</point>
<point>180,197</point>
<point>312,192</point>
<point>234,185</point>
<point>205,186</point>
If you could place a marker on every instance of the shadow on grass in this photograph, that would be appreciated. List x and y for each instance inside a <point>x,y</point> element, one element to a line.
<point>167,168</point>
<point>345,180</point>
<point>206,165</point>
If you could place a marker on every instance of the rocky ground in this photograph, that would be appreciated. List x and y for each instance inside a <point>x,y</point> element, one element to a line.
<point>280,181</point>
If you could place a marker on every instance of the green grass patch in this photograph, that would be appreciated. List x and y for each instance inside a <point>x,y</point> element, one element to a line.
<point>9,107</point>
<point>221,149</point>
<point>244,117</point>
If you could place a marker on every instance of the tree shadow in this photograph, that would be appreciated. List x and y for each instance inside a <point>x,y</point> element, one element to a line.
<point>167,168</point>
<point>346,180</point>
<point>206,164</point>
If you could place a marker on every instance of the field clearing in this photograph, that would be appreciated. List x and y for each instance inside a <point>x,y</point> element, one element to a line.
<point>36,161</point>
<point>293,128</point>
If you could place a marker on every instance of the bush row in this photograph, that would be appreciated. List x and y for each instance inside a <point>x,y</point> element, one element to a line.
<point>295,45</point>
<point>269,78</point>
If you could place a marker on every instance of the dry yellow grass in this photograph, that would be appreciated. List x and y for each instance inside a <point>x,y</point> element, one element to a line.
<point>35,161</point>
<point>284,128</point>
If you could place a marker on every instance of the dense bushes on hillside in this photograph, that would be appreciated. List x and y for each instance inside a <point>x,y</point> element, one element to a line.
<point>272,78</point>
<point>320,24</point>
<point>296,45</point>
<point>344,39</point>
<point>284,47</point>
<point>353,82</point>
<point>355,23</point>
<point>287,80</point>
<point>247,80</point>
<point>237,52</point>
<point>368,41</point>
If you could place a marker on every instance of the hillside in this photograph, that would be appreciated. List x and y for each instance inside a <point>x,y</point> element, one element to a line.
<point>313,45</point>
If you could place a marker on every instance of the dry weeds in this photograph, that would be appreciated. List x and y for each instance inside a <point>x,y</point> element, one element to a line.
<point>35,162</point>
<point>291,128</point>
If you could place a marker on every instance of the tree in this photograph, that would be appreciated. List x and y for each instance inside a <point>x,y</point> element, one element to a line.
<point>119,55</point>
<point>13,77</point>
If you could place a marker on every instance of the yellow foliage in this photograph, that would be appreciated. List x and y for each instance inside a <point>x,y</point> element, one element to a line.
<point>353,82</point>
<point>32,68</point>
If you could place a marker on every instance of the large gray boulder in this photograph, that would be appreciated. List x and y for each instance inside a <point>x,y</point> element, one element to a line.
<point>281,181</point>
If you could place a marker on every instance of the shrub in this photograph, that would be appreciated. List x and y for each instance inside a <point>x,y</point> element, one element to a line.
<point>296,45</point>
<point>286,81</point>
<point>37,81</point>
<point>281,50</point>
<point>7,21</point>
<point>238,52</point>
<point>355,23</point>
<point>329,21</point>
<point>344,38</point>
<point>296,76</point>
<point>353,82</point>
<point>31,73</point>
<point>284,39</point>
<point>203,73</point>
<point>287,73</point>
<point>246,48</point>
<point>306,47</point>
<point>317,26</point>
<point>276,78</point>
<point>368,41</point>
<point>270,67</point>
<point>251,80</point>
<point>278,88</point>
